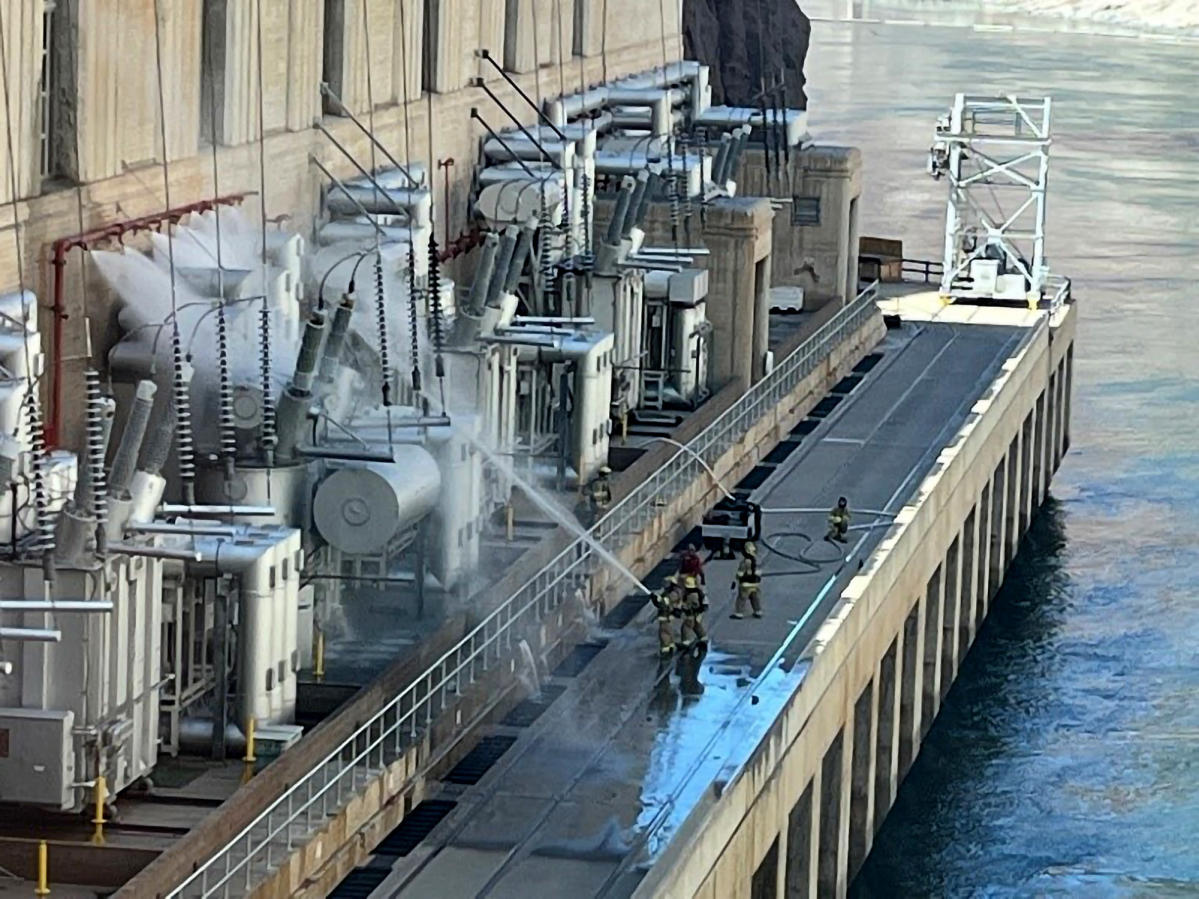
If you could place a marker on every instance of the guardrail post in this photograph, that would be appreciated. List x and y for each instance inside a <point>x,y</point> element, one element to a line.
<point>308,807</point>
<point>270,832</point>
<point>287,823</point>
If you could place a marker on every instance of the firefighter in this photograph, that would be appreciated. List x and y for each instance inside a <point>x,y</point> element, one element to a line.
<point>690,563</point>
<point>601,492</point>
<point>666,602</point>
<point>838,522</point>
<point>694,604</point>
<point>748,583</point>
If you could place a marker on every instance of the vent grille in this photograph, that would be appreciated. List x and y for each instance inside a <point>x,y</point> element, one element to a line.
<point>826,405</point>
<point>417,825</point>
<point>624,612</point>
<point>780,453</point>
<point>577,660</point>
<point>848,383</point>
<point>805,210</point>
<point>868,362</point>
<point>479,760</point>
<point>533,707</point>
<point>360,883</point>
<point>756,478</point>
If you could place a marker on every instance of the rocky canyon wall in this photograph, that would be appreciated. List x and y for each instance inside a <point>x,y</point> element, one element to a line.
<point>746,41</point>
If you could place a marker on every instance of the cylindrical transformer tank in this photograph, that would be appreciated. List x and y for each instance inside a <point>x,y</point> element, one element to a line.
<point>360,509</point>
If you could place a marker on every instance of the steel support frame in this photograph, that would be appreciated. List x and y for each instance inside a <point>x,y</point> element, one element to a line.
<point>1006,136</point>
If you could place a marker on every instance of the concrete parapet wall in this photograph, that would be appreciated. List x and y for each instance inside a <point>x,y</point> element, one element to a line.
<point>815,789</point>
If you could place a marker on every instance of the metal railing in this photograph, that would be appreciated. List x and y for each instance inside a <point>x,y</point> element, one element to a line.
<point>299,812</point>
<point>1060,285</point>
<point>927,271</point>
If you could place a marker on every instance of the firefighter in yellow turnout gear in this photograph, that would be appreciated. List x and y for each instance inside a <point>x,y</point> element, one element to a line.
<point>838,522</point>
<point>601,492</point>
<point>694,604</point>
<point>667,603</point>
<point>748,584</point>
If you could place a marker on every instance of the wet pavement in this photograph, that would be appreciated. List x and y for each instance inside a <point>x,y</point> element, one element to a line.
<point>582,799</point>
<point>1064,762</point>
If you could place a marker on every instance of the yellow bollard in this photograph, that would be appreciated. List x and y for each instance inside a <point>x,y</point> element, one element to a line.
<point>100,794</point>
<point>249,759</point>
<point>318,654</point>
<point>510,522</point>
<point>624,427</point>
<point>43,870</point>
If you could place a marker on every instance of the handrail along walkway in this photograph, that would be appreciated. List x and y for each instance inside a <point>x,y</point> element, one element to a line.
<point>300,811</point>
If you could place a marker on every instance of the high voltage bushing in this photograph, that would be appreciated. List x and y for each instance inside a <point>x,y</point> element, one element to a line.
<point>477,297</point>
<point>585,210</point>
<point>381,321</point>
<point>337,337</point>
<point>503,262</point>
<point>228,428</point>
<point>87,512</point>
<point>623,199</point>
<point>185,447</point>
<point>269,438</point>
<point>517,266</point>
<point>413,326</point>
<point>125,461</point>
<point>297,397</point>
<point>44,542</point>
<point>100,412</point>
<point>632,217</point>
<point>435,306</point>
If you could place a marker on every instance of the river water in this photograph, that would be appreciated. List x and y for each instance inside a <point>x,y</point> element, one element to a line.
<point>1066,759</point>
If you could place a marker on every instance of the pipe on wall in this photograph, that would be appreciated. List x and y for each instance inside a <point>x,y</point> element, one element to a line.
<point>30,634</point>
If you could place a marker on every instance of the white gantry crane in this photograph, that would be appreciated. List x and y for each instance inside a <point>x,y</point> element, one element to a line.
<point>994,151</point>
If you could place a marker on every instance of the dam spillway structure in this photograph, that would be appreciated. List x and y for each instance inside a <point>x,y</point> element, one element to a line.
<point>320,514</point>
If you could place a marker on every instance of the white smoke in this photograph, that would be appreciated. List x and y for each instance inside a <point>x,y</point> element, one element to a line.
<point>144,284</point>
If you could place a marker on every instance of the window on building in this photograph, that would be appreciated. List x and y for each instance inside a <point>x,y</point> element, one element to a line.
<point>428,62</point>
<point>46,91</point>
<point>55,129</point>
<point>805,210</point>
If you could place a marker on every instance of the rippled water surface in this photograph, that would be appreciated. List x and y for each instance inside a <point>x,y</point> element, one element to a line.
<point>1066,760</point>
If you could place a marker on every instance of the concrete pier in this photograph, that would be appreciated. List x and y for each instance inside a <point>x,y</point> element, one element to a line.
<point>798,814</point>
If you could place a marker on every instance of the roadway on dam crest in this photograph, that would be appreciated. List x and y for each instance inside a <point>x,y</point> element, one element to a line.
<point>584,798</point>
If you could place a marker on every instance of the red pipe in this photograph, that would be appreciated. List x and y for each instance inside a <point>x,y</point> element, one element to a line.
<point>84,241</point>
<point>462,244</point>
